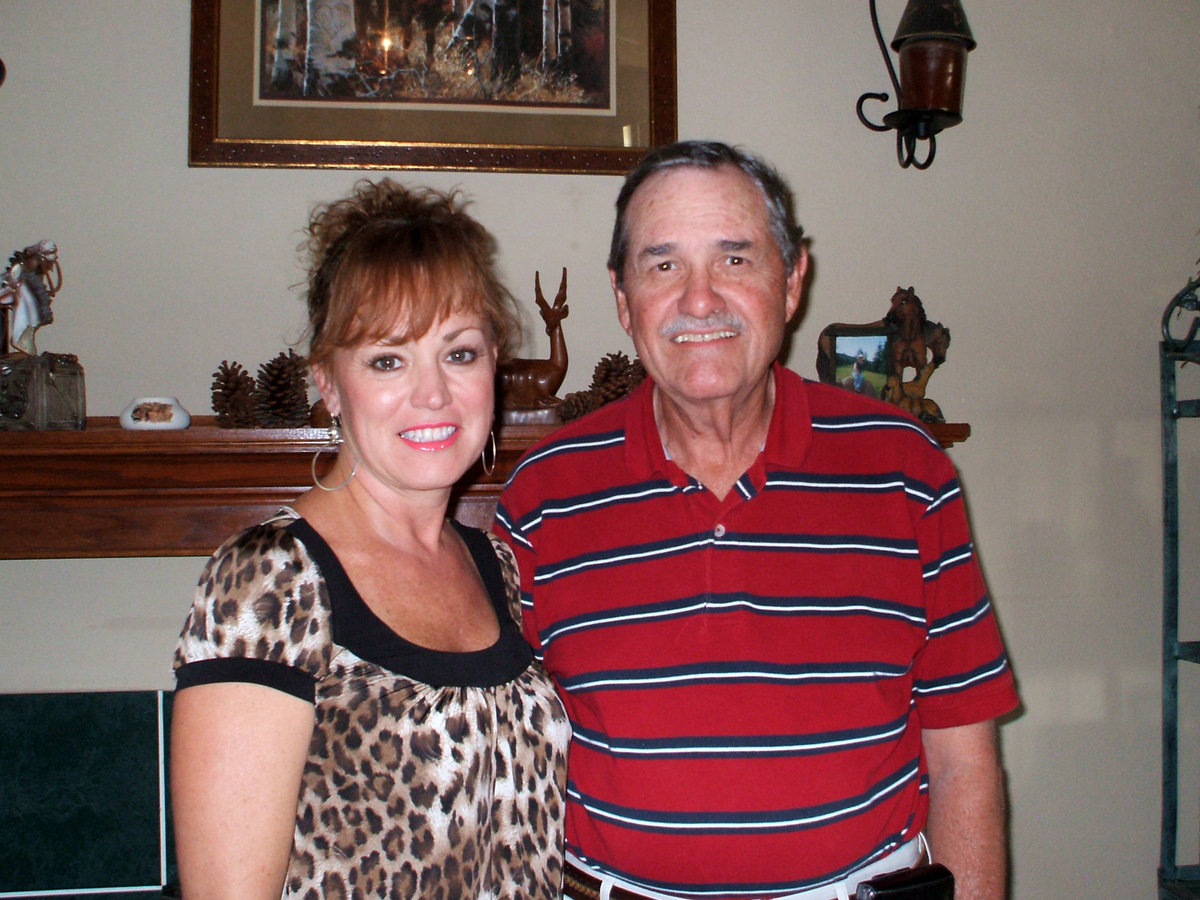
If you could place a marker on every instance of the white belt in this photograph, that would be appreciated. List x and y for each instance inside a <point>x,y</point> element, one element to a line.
<point>903,857</point>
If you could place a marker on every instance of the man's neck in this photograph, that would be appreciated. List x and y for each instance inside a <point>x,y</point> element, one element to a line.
<point>716,441</point>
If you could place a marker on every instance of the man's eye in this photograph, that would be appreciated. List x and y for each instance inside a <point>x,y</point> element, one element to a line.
<point>736,260</point>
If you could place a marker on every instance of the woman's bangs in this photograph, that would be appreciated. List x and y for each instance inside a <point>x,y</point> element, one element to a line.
<point>400,300</point>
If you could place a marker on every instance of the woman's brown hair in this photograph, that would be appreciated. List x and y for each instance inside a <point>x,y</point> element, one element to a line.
<point>391,261</point>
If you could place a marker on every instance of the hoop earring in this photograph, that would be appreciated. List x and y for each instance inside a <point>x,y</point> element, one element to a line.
<point>489,468</point>
<point>335,441</point>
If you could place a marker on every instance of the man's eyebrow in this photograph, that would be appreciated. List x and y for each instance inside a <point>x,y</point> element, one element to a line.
<point>731,246</point>
<point>656,250</point>
<point>726,245</point>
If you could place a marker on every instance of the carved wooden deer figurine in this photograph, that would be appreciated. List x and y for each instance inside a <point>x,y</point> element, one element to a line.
<point>530,384</point>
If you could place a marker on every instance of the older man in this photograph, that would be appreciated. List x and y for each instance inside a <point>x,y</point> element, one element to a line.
<point>756,594</point>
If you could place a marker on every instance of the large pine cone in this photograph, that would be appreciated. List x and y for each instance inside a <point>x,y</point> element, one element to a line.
<point>234,396</point>
<point>283,392</point>
<point>634,375</point>
<point>576,404</point>
<point>615,376</point>
<point>613,364</point>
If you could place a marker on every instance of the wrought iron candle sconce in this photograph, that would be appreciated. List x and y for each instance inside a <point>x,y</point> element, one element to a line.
<point>932,42</point>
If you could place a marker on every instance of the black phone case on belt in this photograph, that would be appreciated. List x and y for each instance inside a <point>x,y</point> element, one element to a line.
<point>929,882</point>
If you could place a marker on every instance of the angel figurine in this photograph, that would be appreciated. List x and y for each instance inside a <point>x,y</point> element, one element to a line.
<point>27,287</point>
<point>39,391</point>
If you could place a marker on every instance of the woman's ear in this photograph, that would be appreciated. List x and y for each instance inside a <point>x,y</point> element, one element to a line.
<point>327,389</point>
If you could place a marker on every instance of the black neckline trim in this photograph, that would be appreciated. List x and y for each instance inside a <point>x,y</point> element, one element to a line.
<point>357,628</point>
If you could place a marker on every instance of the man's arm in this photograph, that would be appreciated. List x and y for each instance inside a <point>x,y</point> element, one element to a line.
<point>966,808</point>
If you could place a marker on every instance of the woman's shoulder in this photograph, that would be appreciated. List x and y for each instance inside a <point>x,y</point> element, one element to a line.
<point>259,596</point>
<point>263,573</point>
<point>262,542</point>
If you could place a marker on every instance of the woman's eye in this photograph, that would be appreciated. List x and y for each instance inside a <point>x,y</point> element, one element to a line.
<point>463,355</point>
<point>385,363</point>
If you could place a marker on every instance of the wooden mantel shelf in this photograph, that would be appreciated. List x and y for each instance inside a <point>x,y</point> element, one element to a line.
<point>109,492</point>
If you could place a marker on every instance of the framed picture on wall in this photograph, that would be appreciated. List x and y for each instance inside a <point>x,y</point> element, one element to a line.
<point>854,356</point>
<point>575,86</point>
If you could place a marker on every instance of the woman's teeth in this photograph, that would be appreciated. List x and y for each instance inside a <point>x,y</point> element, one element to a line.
<point>428,435</point>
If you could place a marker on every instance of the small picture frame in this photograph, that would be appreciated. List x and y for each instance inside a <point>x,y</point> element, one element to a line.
<point>855,357</point>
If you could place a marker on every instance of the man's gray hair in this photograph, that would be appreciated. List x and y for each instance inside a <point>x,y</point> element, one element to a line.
<point>711,155</point>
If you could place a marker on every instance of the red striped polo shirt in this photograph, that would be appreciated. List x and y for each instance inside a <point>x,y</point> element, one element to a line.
<point>747,678</point>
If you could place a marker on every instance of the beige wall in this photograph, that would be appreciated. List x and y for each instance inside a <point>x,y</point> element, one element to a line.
<point>1050,232</point>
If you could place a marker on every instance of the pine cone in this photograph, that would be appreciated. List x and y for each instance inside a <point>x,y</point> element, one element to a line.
<point>613,378</point>
<point>636,373</point>
<point>283,392</point>
<point>616,376</point>
<point>578,404</point>
<point>234,396</point>
<point>633,375</point>
<point>609,391</point>
<point>609,366</point>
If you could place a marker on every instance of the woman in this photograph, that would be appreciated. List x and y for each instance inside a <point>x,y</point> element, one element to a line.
<point>357,714</point>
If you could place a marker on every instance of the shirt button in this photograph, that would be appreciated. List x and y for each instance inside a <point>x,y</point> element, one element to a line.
<point>719,531</point>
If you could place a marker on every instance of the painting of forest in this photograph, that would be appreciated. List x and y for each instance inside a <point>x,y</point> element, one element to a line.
<point>506,53</point>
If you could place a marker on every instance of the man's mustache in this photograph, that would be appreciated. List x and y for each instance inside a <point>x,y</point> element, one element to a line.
<point>716,322</point>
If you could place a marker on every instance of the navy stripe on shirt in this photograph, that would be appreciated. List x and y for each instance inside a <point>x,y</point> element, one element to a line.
<point>745,745</point>
<point>719,822</point>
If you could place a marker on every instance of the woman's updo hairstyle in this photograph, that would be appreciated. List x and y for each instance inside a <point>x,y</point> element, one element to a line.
<point>391,261</point>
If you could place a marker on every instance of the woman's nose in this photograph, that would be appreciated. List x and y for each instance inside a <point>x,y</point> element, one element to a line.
<point>431,390</point>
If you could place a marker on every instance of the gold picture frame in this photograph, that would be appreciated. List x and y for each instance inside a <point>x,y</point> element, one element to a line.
<point>231,124</point>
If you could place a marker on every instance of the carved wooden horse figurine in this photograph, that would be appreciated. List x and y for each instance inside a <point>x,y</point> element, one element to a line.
<point>915,343</point>
<point>531,383</point>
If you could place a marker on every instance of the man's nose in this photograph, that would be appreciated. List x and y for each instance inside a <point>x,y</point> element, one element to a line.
<point>701,294</point>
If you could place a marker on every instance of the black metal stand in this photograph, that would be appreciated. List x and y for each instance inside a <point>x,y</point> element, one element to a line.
<point>1175,881</point>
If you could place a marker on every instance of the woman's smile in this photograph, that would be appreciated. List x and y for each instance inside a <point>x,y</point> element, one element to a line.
<point>430,437</point>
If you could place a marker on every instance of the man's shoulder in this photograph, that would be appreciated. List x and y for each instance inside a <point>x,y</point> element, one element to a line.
<point>834,399</point>
<point>605,425</point>
<point>566,462</point>
<point>558,452</point>
<point>836,411</point>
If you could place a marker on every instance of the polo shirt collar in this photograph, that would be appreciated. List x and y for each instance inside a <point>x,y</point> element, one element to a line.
<point>644,453</point>
<point>788,437</point>
<point>790,434</point>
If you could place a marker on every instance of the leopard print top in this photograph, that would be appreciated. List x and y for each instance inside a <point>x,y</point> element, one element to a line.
<point>429,774</point>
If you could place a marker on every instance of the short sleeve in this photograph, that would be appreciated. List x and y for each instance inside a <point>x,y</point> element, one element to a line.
<point>510,576</point>
<point>260,614</point>
<point>962,675</point>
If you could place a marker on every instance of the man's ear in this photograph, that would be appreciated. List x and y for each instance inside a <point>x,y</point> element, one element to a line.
<point>795,282</point>
<point>622,303</point>
<point>325,385</point>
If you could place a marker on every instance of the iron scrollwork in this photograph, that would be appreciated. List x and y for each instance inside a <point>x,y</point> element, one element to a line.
<point>1186,300</point>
